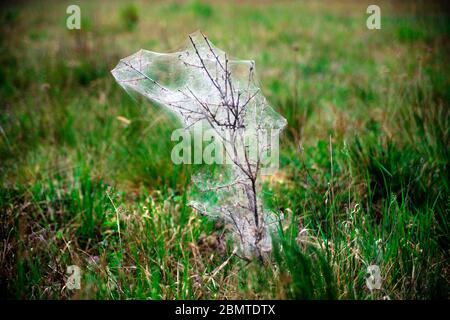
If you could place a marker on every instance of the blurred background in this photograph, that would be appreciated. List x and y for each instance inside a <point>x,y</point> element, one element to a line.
<point>86,177</point>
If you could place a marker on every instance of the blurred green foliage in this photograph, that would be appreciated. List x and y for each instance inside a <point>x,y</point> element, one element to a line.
<point>130,16</point>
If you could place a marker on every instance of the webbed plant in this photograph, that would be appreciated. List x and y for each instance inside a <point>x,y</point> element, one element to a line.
<point>201,84</point>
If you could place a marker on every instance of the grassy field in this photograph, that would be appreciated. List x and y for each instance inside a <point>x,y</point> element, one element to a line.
<point>86,177</point>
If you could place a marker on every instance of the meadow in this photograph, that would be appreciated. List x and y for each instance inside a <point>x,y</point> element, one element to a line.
<point>86,176</point>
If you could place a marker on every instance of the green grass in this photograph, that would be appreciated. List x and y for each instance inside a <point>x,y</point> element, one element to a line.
<point>86,177</point>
